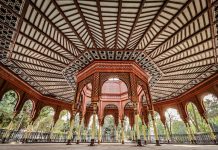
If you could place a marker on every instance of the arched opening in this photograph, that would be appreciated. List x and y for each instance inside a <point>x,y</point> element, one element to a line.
<point>174,124</point>
<point>114,89</point>
<point>127,128</point>
<point>44,122</point>
<point>159,126</point>
<point>211,104</point>
<point>63,123</point>
<point>108,130</point>
<point>89,128</point>
<point>23,117</point>
<point>197,123</point>
<point>7,105</point>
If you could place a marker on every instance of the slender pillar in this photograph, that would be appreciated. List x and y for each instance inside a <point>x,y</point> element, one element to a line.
<point>211,132</point>
<point>144,133</point>
<point>122,131</point>
<point>93,125</point>
<point>190,133</point>
<point>155,128</point>
<point>166,133</point>
<point>79,132</point>
<point>70,133</point>
<point>137,130</point>
<point>99,134</point>
<point>133,131</point>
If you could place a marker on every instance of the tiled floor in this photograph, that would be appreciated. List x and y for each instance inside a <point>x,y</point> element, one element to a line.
<point>103,147</point>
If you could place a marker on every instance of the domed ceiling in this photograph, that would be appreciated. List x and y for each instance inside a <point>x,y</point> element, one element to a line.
<point>46,42</point>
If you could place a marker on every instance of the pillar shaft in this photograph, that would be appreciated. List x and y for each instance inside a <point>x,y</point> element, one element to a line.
<point>166,133</point>
<point>69,136</point>
<point>211,132</point>
<point>137,126</point>
<point>79,132</point>
<point>99,134</point>
<point>93,127</point>
<point>144,132</point>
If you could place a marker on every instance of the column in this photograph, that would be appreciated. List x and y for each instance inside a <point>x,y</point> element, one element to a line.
<point>144,133</point>
<point>137,129</point>
<point>122,131</point>
<point>70,133</point>
<point>93,124</point>
<point>99,133</point>
<point>79,132</point>
<point>211,132</point>
<point>190,133</point>
<point>166,133</point>
<point>155,128</point>
<point>151,109</point>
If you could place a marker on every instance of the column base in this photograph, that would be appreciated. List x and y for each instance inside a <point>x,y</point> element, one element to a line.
<point>99,141</point>
<point>24,140</point>
<point>92,142</point>
<point>68,142</point>
<point>77,141</point>
<point>3,140</point>
<point>145,142</point>
<point>194,141</point>
<point>139,142</point>
<point>158,143</point>
<point>122,142</point>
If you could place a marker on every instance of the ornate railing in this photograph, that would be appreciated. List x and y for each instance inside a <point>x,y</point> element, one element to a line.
<point>47,137</point>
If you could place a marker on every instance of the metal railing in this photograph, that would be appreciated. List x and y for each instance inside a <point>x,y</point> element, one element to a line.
<point>47,137</point>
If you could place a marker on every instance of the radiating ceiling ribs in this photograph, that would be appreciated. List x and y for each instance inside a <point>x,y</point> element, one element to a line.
<point>191,81</point>
<point>101,22</point>
<point>118,22</point>
<point>169,22</point>
<point>210,14</point>
<point>69,24</point>
<point>187,38</point>
<point>85,23</point>
<point>53,25</point>
<point>152,22</point>
<point>179,53</point>
<point>37,29</point>
<point>26,3</point>
<point>170,37</point>
<point>135,22</point>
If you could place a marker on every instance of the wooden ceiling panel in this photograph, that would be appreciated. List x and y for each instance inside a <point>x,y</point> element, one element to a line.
<point>47,42</point>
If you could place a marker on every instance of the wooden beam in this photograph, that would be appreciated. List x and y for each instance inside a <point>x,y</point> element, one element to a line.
<point>20,84</point>
<point>54,26</point>
<point>211,17</point>
<point>135,22</point>
<point>174,34</point>
<point>19,24</point>
<point>85,23</point>
<point>152,22</point>
<point>101,22</point>
<point>69,23</point>
<point>118,22</point>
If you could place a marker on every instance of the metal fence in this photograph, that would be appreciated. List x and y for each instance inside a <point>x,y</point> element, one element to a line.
<point>47,137</point>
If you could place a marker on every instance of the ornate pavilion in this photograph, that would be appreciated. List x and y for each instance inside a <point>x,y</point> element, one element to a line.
<point>100,57</point>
